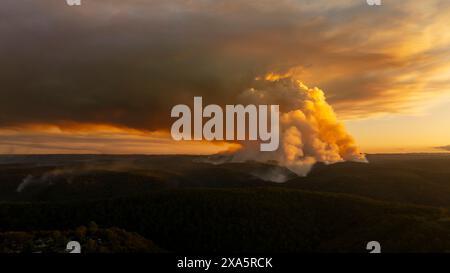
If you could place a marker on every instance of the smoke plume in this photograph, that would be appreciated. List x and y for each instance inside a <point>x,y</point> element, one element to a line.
<point>309,129</point>
<point>47,178</point>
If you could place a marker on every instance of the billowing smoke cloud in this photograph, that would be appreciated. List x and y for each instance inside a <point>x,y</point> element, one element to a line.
<point>309,129</point>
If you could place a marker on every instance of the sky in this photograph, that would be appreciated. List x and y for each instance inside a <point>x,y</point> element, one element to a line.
<point>102,77</point>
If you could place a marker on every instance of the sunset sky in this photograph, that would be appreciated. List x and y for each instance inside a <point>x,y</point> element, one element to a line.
<point>102,77</point>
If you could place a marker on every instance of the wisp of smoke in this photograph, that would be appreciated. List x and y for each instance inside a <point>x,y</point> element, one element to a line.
<point>25,183</point>
<point>46,178</point>
<point>309,129</point>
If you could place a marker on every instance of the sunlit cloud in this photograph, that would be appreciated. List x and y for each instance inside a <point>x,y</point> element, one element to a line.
<point>444,148</point>
<point>97,139</point>
<point>122,65</point>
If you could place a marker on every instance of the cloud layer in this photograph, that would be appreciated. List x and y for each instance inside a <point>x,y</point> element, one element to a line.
<point>126,63</point>
<point>444,148</point>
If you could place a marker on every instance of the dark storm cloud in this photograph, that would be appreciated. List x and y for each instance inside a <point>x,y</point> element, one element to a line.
<point>128,62</point>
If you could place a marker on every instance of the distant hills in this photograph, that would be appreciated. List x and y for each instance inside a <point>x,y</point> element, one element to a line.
<point>182,203</point>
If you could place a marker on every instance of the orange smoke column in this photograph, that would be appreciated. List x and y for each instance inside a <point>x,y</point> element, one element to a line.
<point>309,129</point>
